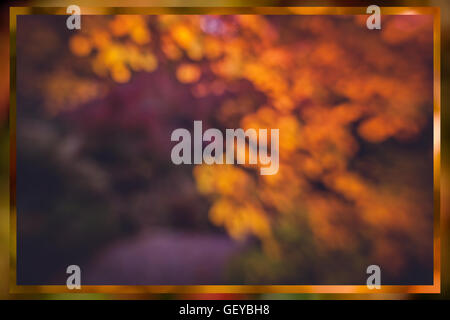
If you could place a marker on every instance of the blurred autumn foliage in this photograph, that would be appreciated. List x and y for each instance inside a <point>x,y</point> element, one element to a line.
<point>354,108</point>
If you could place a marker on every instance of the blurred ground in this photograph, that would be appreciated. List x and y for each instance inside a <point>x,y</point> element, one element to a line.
<point>188,259</point>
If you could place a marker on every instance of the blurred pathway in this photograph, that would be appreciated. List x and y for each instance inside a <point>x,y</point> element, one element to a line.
<point>162,258</point>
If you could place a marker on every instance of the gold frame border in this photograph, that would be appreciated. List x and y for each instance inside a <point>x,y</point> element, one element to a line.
<point>237,289</point>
